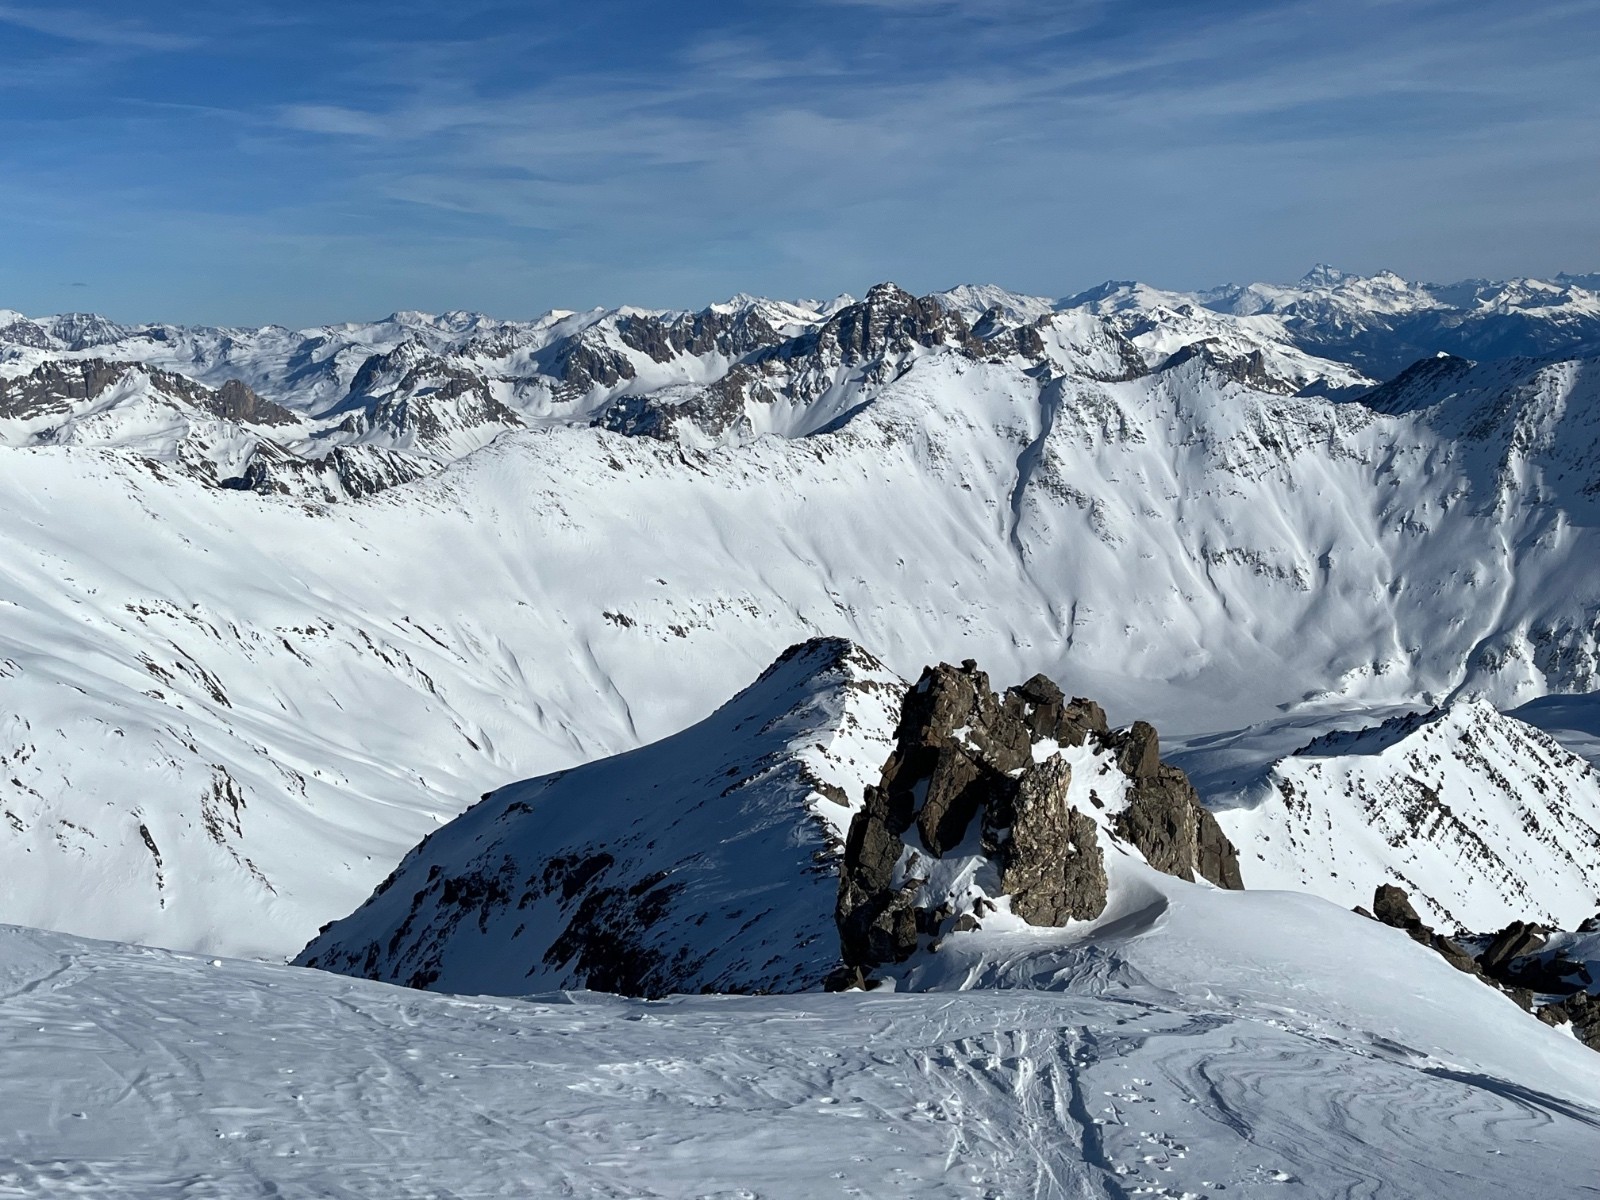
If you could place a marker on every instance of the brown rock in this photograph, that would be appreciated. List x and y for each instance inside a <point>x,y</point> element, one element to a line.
<point>1052,866</point>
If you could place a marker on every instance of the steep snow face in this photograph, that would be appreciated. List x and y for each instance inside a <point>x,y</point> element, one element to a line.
<point>705,862</point>
<point>1196,1043</point>
<point>1480,818</point>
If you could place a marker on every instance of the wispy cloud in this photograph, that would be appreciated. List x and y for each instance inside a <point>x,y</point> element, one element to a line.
<point>1044,145</point>
<point>90,28</point>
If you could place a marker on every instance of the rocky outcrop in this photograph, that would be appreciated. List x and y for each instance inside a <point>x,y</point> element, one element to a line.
<point>1514,960</point>
<point>1579,1010</point>
<point>714,410</point>
<point>414,399</point>
<point>57,388</point>
<point>344,473</point>
<point>976,781</point>
<point>890,320</point>
<point>1250,369</point>
<point>51,388</point>
<point>1164,817</point>
<point>1392,906</point>
<point>1051,863</point>
<point>709,331</point>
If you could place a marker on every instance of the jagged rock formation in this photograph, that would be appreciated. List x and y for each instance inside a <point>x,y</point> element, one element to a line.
<point>979,786</point>
<point>1392,906</point>
<point>227,436</point>
<point>1164,817</point>
<point>1553,972</point>
<point>748,854</point>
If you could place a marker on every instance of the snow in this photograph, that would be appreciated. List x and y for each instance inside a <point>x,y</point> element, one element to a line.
<point>225,716</point>
<point>1480,818</point>
<point>1195,1043</point>
<point>708,860</point>
<point>1178,545</point>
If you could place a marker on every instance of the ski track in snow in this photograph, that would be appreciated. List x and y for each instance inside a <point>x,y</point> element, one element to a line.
<point>137,1072</point>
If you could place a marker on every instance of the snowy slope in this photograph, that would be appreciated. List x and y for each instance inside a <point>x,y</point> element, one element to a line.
<point>1178,543</point>
<point>229,710</point>
<point>1480,818</point>
<point>1196,1043</point>
<point>707,861</point>
<point>1574,721</point>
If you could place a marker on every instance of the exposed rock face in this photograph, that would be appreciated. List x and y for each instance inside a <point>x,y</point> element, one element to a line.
<point>1052,865</point>
<point>1250,369</point>
<point>1514,941</point>
<point>891,320</point>
<point>714,410</point>
<point>975,776</point>
<point>417,399</point>
<point>1164,817</point>
<point>346,472</point>
<point>1580,1010</point>
<point>51,387</point>
<point>56,388</point>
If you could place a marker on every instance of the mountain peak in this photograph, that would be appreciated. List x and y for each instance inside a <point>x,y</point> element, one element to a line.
<point>1324,275</point>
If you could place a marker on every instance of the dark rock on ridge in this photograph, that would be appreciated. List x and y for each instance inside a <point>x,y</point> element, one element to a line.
<point>1053,868</point>
<point>1580,1010</point>
<point>1392,906</point>
<point>1164,817</point>
<point>1510,961</point>
<point>52,387</point>
<point>964,757</point>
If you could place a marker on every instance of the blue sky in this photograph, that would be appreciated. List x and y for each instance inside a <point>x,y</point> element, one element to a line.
<point>301,162</point>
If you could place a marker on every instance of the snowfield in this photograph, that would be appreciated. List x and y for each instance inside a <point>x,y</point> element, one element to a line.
<point>1192,1043</point>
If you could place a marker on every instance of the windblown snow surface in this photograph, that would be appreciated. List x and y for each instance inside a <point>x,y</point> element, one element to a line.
<point>1192,1043</point>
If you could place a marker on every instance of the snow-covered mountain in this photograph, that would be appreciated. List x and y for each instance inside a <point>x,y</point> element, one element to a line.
<point>276,605</point>
<point>233,701</point>
<point>1377,324</point>
<point>819,822</point>
<point>1480,818</point>
<point>706,862</point>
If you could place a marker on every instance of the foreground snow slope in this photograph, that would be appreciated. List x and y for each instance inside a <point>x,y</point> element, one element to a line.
<point>1196,1043</point>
